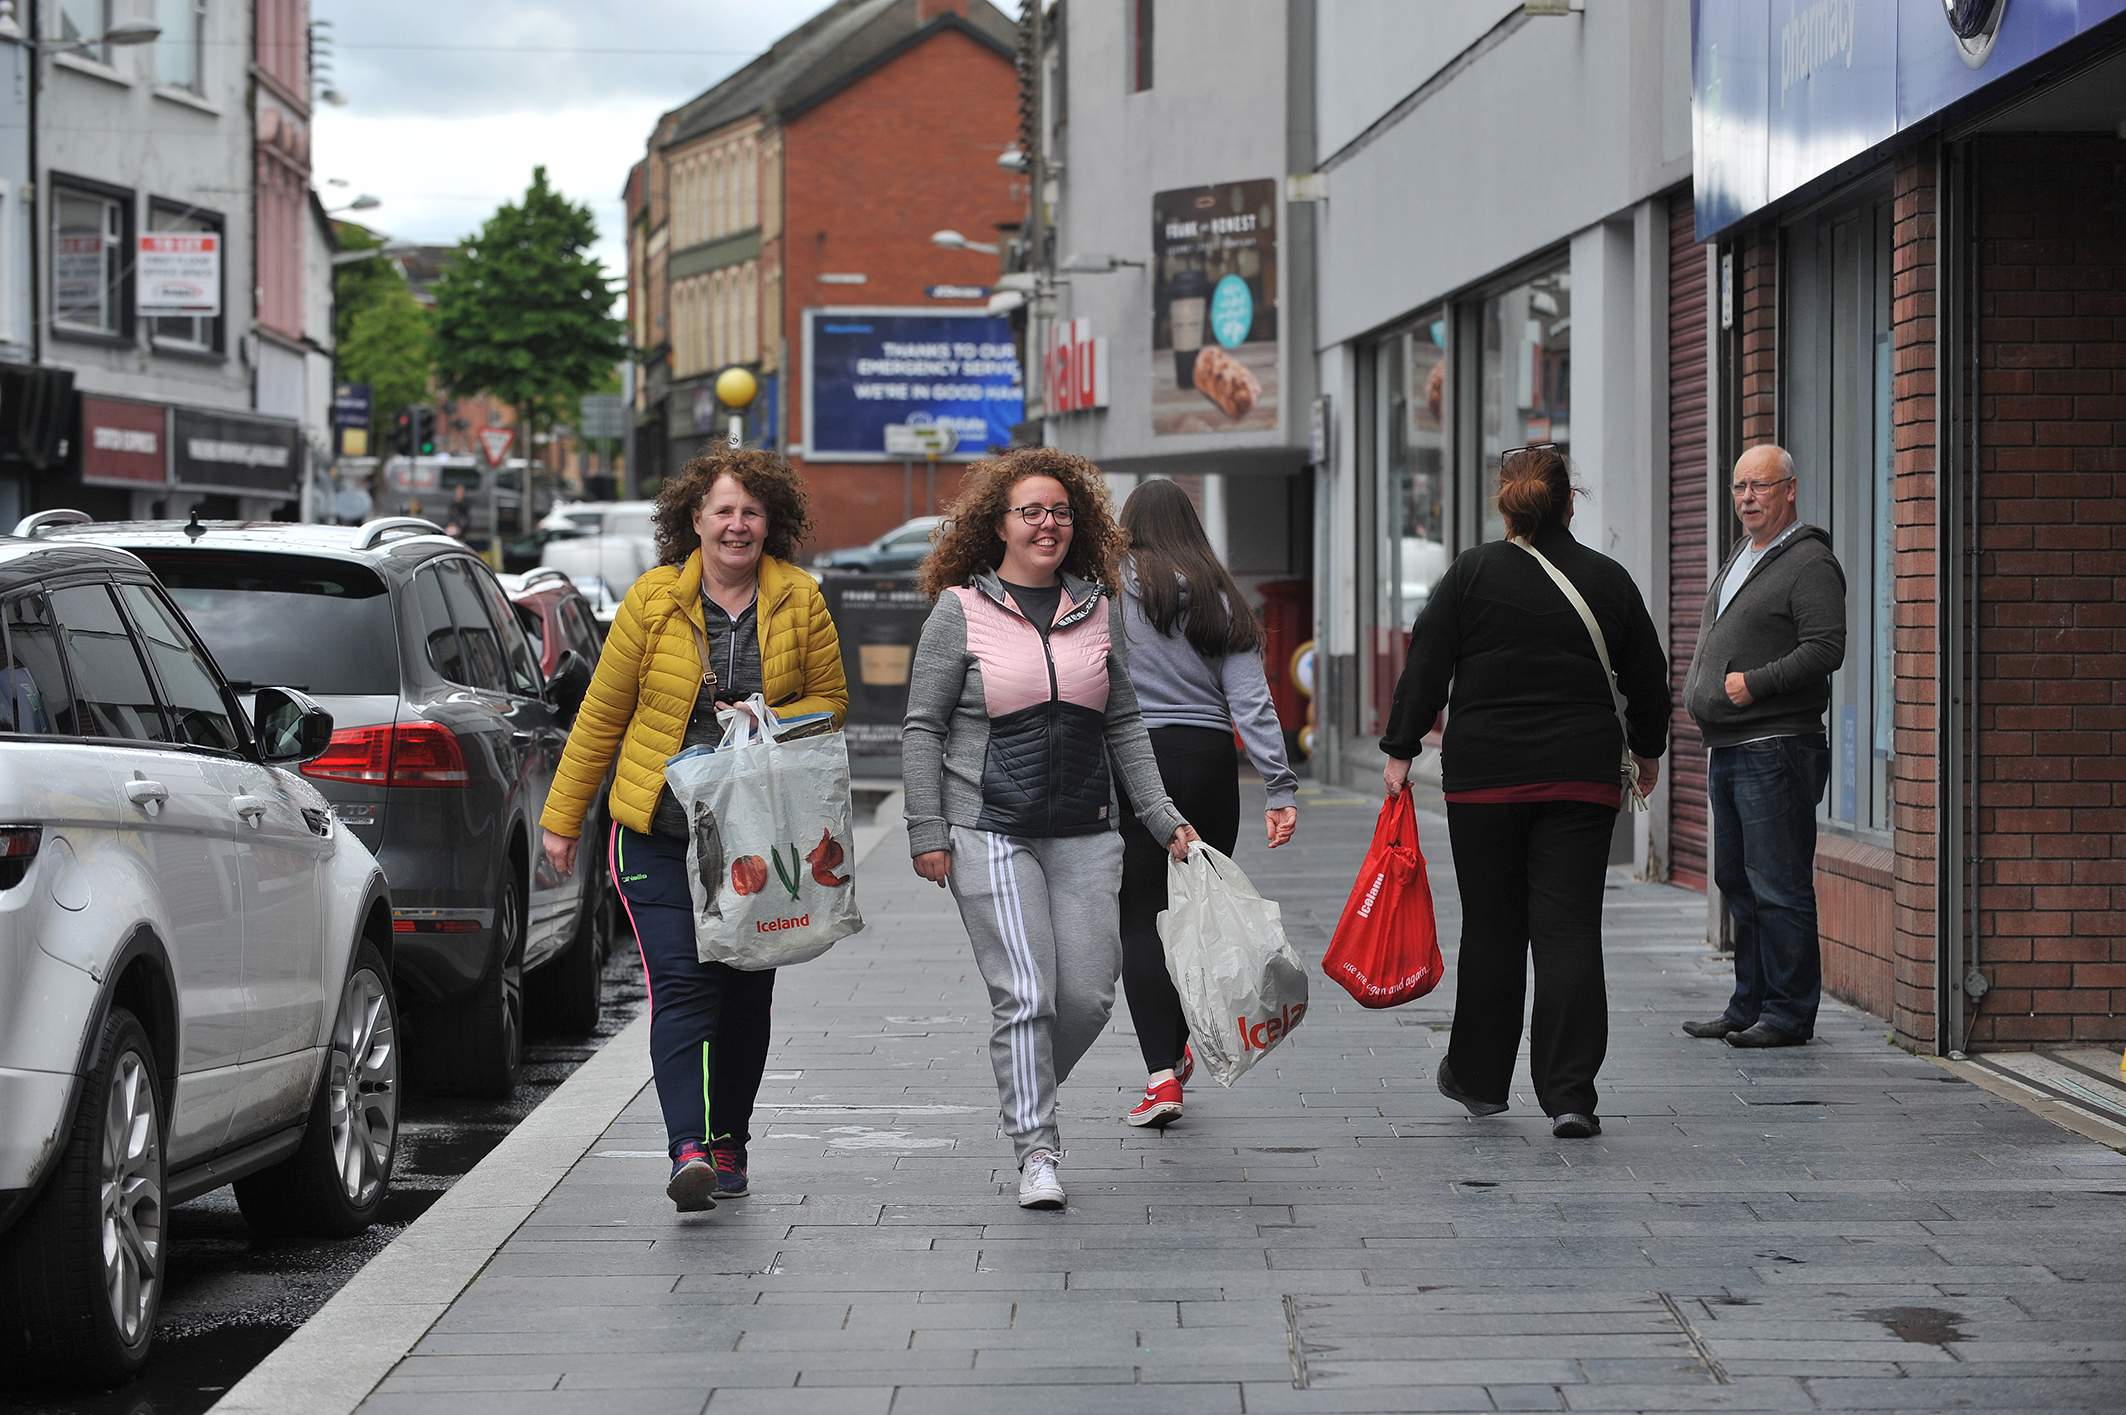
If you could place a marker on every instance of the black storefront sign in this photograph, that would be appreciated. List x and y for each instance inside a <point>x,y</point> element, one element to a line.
<point>878,618</point>
<point>238,455</point>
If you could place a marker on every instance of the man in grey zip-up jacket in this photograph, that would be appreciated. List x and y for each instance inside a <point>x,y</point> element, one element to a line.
<point>1772,633</point>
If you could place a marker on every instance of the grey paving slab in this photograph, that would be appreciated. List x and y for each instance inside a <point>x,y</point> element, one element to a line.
<point>1841,1227</point>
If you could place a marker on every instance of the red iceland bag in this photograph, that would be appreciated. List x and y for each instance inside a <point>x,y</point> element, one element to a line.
<point>1385,951</point>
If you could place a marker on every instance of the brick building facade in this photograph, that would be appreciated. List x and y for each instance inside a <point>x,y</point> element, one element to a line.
<point>814,177</point>
<point>1979,902</point>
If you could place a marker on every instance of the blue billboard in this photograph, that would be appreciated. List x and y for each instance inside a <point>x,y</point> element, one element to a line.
<point>866,368</point>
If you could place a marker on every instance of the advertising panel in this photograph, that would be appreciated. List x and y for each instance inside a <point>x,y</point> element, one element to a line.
<point>866,368</point>
<point>879,618</point>
<point>1214,308</point>
<point>124,443</point>
<point>180,273</point>
<point>1074,367</point>
<point>243,455</point>
<point>1785,91</point>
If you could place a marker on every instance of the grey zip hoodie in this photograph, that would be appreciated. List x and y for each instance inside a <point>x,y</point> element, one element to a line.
<point>1784,632</point>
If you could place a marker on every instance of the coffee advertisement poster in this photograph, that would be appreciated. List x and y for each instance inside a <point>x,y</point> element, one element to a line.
<point>1214,308</point>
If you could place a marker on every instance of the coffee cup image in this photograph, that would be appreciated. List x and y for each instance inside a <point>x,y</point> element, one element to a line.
<point>1187,295</point>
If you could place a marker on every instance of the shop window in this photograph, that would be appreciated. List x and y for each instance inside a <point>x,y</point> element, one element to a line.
<point>1524,379</point>
<point>88,262</point>
<point>193,334</point>
<point>1835,384</point>
<point>179,49</point>
<point>1408,419</point>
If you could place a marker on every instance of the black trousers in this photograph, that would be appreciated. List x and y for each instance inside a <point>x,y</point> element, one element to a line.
<point>1201,770</point>
<point>1531,877</point>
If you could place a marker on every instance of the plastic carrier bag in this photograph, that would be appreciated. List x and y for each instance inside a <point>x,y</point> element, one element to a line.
<point>1242,987</point>
<point>768,854</point>
<point>1385,950</point>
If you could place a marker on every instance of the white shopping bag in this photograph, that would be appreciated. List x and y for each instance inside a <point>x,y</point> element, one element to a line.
<point>769,858</point>
<point>1242,987</point>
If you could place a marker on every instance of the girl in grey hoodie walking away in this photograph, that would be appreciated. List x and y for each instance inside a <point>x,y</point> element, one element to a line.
<point>1195,658</point>
<point>1019,700</point>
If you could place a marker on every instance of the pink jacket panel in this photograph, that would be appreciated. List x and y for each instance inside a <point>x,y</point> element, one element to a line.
<point>1015,671</point>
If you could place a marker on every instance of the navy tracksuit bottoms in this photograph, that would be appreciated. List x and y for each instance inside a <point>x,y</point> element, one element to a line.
<point>709,1025</point>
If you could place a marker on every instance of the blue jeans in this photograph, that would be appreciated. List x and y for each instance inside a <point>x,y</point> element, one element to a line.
<point>1764,797</point>
<point>709,1027</point>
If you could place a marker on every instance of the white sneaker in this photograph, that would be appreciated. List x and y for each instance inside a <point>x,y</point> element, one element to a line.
<point>1038,1186</point>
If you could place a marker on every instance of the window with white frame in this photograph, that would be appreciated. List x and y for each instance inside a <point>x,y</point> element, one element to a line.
<point>193,333</point>
<point>180,50</point>
<point>88,262</point>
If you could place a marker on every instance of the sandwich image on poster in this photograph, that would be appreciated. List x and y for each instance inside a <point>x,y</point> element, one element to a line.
<point>1214,308</point>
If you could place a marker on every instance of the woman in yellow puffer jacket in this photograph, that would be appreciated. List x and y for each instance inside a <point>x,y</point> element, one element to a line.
<point>723,616</point>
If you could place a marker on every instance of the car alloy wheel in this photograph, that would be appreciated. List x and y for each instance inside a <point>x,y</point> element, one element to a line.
<point>507,929</point>
<point>364,1087</point>
<point>131,1196</point>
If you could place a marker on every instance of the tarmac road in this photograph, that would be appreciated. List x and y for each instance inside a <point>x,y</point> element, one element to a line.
<point>231,1299</point>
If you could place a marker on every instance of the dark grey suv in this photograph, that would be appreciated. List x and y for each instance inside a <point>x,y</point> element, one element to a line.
<point>446,737</point>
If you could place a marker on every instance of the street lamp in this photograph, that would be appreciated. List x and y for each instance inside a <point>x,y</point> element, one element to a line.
<point>954,241</point>
<point>364,202</point>
<point>1098,264</point>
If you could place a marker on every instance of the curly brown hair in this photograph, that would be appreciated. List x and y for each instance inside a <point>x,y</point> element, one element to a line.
<point>766,477</point>
<point>970,541</point>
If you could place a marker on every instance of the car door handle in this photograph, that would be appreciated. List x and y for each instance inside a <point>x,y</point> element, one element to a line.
<point>249,809</point>
<point>148,795</point>
<point>520,736</point>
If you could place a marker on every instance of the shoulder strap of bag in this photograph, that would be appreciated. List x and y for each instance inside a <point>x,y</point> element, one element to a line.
<point>1594,630</point>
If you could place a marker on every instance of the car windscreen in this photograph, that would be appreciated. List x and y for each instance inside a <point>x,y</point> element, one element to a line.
<point>286,621</point>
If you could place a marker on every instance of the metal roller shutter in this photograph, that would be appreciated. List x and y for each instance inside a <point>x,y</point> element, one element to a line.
<point>1689,421</point>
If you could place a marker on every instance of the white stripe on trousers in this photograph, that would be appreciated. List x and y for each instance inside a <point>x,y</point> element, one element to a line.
<point>1026,979</point>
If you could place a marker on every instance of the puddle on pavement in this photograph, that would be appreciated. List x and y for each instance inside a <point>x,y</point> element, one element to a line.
<point>1923,1326</point>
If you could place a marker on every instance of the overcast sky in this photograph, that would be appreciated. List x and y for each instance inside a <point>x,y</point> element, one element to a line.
<point>451,103</point>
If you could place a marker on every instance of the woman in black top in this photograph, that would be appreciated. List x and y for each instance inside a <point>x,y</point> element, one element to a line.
<point>1531,767</point>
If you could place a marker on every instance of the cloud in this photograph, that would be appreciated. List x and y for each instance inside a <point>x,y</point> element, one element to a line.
<point>451,104</point>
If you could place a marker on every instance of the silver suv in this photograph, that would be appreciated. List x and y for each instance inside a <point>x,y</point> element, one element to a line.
<point>195,961</point>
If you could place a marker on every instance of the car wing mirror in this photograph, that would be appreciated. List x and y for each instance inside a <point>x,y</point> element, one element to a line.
<point>571,680</point>
<point>292,729</point>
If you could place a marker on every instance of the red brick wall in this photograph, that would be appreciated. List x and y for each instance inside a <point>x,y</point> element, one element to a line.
<point>2052,589</point>
<point>1854,922</point>
<point>868,175</point>
<point>1759,314</point>
<point>1905,945</point>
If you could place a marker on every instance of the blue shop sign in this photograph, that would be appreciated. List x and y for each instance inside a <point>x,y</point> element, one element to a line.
<point>1786,91</point>
<point>866,368</point>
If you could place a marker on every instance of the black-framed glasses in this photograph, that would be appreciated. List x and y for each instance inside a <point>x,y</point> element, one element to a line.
<point>1762,488</point>
<point>1531,447</point>
<point>1032,515</point>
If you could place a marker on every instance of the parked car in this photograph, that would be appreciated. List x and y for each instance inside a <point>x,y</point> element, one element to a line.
<point>195,960</point>
<point>446,742</point>
<point>562,623</point>
<point>896,552</point>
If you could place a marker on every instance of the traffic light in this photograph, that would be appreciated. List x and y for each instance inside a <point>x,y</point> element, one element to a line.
<point>424,430</point>
<point>402,432</point>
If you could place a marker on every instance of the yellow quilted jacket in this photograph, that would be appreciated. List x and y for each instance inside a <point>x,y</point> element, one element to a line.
<point>650,674</point>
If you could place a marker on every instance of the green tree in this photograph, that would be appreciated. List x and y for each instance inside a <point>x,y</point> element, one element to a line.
<point>388,347</point>
<point>524,314</point>
<point>358,284</point>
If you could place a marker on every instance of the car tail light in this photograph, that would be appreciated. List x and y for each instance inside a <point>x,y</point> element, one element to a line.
<point>409,754</point>
<point>360,754</point>
<point>426,754</point>
<point>18,847</point>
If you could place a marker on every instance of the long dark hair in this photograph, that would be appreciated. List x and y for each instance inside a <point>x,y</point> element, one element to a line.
<point>1168,548</point>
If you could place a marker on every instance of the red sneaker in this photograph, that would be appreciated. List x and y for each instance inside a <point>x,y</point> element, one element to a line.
<point>1188,1064</point>
<point>1160,1107</point>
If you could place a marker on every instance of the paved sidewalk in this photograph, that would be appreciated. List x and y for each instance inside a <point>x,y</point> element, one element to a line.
<point>1839,1227</point>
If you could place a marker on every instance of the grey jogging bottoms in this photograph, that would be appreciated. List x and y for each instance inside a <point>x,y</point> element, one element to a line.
<point>1045,920</point>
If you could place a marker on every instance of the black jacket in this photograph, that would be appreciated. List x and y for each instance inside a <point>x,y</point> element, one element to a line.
<point>1784,632</point>
<point>1504,651</point>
